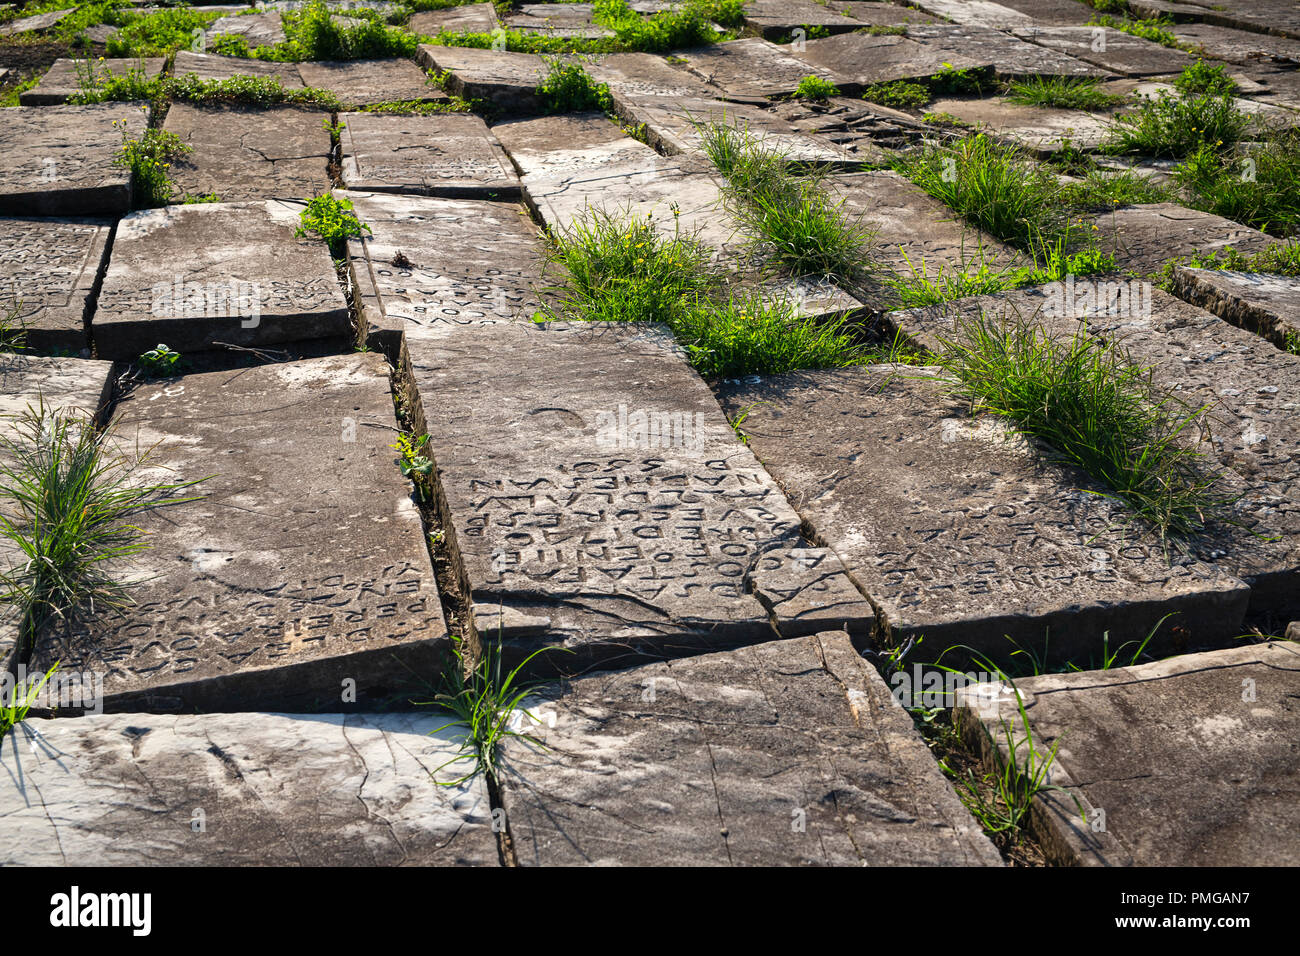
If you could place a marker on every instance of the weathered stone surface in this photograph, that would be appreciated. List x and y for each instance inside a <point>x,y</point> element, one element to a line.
<point>209,66</point>
<point>1279,87</point>
<point>857,126</point>
<point>41,21</point>
<point>708,760</point>
<point>430,262</point>
<point>1239,46</point>
<point>509,80</point>
<point>274,790</point>
<point>49,269</point>
<point>753,68</point>
<point>958,532</point>
<point>1268,305</point>
<point>557,20</point>
<point>780,19</point>
<point>1111,49</point>
<point>1063,12</point>
<point>467,18</point>
<point>1011,57</point>
<point>452,154</point>
<point>605,505</point>
<point>874,13</point>
<point>1037,128</point>
<point>363,82</point>
<point>58,160</point>
<point>197,275</point>
<point>641,75</point>
<point>1143,238</point>
<point>1278,17</point>
<point>979,13</point>
<point>854,61</point>
<point>259,29</point>
<point>64,78</point>
<point>1192,759</point>
<point>304,566</point>
<point>242,153</point>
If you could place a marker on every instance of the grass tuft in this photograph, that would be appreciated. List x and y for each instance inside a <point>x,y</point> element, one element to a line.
<point>1062,92</point>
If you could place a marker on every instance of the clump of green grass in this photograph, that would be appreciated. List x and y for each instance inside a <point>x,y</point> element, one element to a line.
<point>1282,258</point>
<point>1097,409</point>
<point>691,25</point>
<point>96,87</point>
<point>1155,29</point>
<point>13,333</point>
<point>1062,92</point>
<point>951,81</point>
<point>332,220</point>
<point>14,710</point>
<point>568,88</point>
<point>149,158</point>
<point>1105,189</point>
<point>898,94</point>
<point>1201,78</point>
<point>160,362</point>
<point>1177,125</point>
<point>159,33</point>
<point>921,287</point>
<point>815,88</point>
<point>318,35</point>
<point>1260,189</point>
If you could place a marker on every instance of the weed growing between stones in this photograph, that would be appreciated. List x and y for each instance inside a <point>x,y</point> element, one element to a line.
<point>14,710</point>
<point>1156,29</point>
<point>1104,189</point>
<point>1062,92</point>
<point>159,362</point>
<point>568,88</point>
<point>1259,189</point>
<point>899,94</point>
<point>1175,125</point>
<point>691,25</point>
<point>815,88</point>
<point>13,333</point>
<point>316,34</point>
<point>159,33</point>
<point>1281,258</point>
<point>1201,78</point>
<point>414,464</point>
<point>332,220</point>
<point>149,158</point>
<point>977,277</point>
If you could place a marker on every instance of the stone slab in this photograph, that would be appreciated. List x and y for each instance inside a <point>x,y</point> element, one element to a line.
<point>50,269</point>
<point>557,20</point>
<point>197,275</point>
<point>303,567</point>
<point>467,18</point>
<point>961,534</point>
<point>1192,759</point>
<point>787,753</point>
<point>854,61</point>
<point>62,80</point>
<point>58,160</point>
<point>640,75</point>
<point>452,154</point>
<point>1012,57</point>
<point>1040,129</point>
<point>210,66</point>
<point>1240,47</point>
<point>1278,17</point>
<point>753,68</point>
<point>861,128</point>
<point>274,790</point>
<point>1061,12</point>
<point>778,20</point>
<point>978,13</point>
<point>1268,305</point>
<point>586,519</point>
<point>41,21</point>
<point>259,29</point>
<point>365,82</point>
<point>871,13</point>
<point>1143,238</point>
<point>509,80</point>
<point>1111,49</point>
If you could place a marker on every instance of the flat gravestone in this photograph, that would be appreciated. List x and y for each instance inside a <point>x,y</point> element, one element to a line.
<point>1143,238</point>
<point>303,567</point>
<point>1191,759</point>
<point>979,13</point>
<point>557,20</point>
<point>873,13</point>
<point>854,61</point>
<point>242,153</point>
<point>275,790</point>
<point>59,160</point>
<point>365,82</point>
<point>452,154</point>
<point>65,78</point>
<point>209,66</point>
<point>509,80</point>
<point>1239,46</point>
<point>194,276</point>
<point>1110,49</point>
<point>41,21</point>
<point>600,501</point>
<point>467,18</point>
<point>716,755</point>
<point>780,19</point>
<point>1011,56</point>
<point>962,534</point>
<point>48,272</point>
<point>1268,305</point>
<point>1040,129</point>
<point>1278,17</point>
<point>259,29</point>
<point>1060,12</point>
<point>641,75</point>
<point>429,262</point>
<point>752,68</point>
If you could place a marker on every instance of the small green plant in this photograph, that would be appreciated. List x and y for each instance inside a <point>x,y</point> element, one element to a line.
<point>331,219</point>
<point>1062,92</point>
<point>333,128</point>
<point>14,710</point>
<point>1258,189</point>
<point>1281,258</point>
<point>899,94</point>
<point>414,463</point>
<point>568,88</point>
<point>1292,343</point>
<point>316,33</point>
<point>1156,29</point>
<point>1177,125</point>
<point>953,81</point>
<point>978,277</point>
<point>13,332</point>
<point>196,199</point>
<point>944,119</point>
<point>688,25</point>
<point>815,88</point>
<point>149,158</point>
<point>1103,189</point>
<point>159,33</point>
<point>1201,78</point>
<point>160,362</point>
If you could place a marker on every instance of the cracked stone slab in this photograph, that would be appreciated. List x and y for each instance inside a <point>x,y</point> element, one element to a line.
<point>558,20</point>
<point>58,160</point>
<point>1144,238</point>
<point>364,82</point>
<point>872,13</point>
<point>193,276</point>
<point>781,20</point>
<point>854,61</point>
<point>210,66</point>
<point>600,501</point>
<point>64,78</point>
<point>1058,12</point>
<point>1040,129</point>
<point>1240,47</point>
<point>1011,56</point>
<point>1111,49</point>
<point>252,789</point>
<point>242,153</point>
<point>978,13</point>
<point>753,68</point>
<point>959,532</point>
<point>787,753</point>
<point>451,154</point>
<point>860,128</point>
<point>641,75</point>
<point>467,18</point>
<point>509,80</point>
<point>430,262</point>
<point>48,270</point>
<point>1268,305</point>
<point>300,581</point>
<point>1188,761</point>
<point>1278,17</point>
<point>259,29</point>
<point>1248,389</point>
<point>41,21</point>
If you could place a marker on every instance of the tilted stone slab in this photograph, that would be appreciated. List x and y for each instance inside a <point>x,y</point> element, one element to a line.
<point>64,78</point>
<point>209,66</point>
<point>1268,305</point>
<point>59,160</point>
<point>600,501</point>
<point>558,20</point>
<point>787,753</point>
<point>1043,130</point>
<point>857,126</point>
<point>1239,46</point>
<point>49,269</point>
<point>254,789</point>
<point>958,532</point>
<point>1278,17</point>
<point>1011,56</point>
<point>641,75</point>
<point>467,18</point>
<point>509,80</point>
<point>780,20</point>
<point>1109,48</point>
<point>854,61</point>
<point>452,154</point>
<point>194,276</point>
<point>243,154</point>
<point>1191,760</point>
<point>363,82</point>
<point>300,577</point>
<point>753,68</point>
<point>259,29</point>
<point>1144,238</point>
<point>41,21</point>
